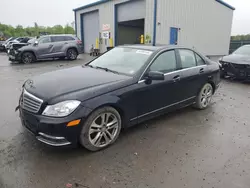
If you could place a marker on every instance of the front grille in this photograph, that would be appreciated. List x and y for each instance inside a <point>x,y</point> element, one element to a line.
<point>238,66</point>
<point>30,102</point>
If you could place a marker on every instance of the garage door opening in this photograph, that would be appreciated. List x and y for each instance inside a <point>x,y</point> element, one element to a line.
<point>130,22</point>
<point>129,32</point>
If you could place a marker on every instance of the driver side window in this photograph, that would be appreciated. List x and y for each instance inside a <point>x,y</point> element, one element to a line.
<point>165,62</point>
<point>44,40</point>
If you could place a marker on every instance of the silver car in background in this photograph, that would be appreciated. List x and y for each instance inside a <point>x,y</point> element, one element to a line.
<point>45,47</point>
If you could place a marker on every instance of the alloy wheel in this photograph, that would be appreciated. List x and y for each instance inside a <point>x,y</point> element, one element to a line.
<point>72,54</point>
<point>206,95</point>
<point>27,58</point>
<point>103,130</point>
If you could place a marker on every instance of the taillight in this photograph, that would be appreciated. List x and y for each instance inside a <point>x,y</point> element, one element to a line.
<point>79,42</point>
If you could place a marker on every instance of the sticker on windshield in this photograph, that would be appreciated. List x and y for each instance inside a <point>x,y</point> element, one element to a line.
<point>144,52</point>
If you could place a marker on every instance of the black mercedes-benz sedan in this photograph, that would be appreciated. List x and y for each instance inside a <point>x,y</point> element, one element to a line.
<point>237,64</point>
<point>90,104</point>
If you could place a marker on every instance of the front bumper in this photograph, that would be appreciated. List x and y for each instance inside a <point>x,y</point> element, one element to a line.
<point>14,55</point>
<point>53,131</point>
<point>238,71</point>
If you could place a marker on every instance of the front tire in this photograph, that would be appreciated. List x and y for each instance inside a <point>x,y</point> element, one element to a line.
<point>72,54</point>
<point>28,58</point>
<point>204,98</point>
<point>101,129</point>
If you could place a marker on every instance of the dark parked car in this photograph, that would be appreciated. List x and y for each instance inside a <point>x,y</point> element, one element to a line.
<point>16,40</point>
<point>125,86</point>
<point>5,43</point>
<point>237,64</point>
<point>49,46</point>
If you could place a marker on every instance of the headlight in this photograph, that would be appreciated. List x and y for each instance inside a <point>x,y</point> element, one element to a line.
<point>61,109</point>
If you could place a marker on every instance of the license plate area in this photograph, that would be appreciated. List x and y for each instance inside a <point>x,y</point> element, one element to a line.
<point>29,122</point>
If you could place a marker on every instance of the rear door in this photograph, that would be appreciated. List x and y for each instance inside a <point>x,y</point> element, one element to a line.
<point>59,43</point>
<point>193,74</point>
<point>44,47</point>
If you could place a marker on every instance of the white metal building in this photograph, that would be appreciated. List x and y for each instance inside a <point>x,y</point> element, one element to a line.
<point>201,24</point>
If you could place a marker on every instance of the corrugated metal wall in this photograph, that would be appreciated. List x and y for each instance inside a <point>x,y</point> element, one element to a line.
<point>106,12</point>
<point>205,24</point>
<point>131,11</point>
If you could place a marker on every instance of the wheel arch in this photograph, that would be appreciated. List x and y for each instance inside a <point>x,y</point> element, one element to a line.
<point>109,101</point>
<point>72,47</point>
<point>30,51</point>
<point>213,85</point>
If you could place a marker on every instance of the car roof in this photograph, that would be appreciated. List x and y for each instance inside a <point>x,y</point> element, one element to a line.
<point>59,35</point>
<point>153,48</point>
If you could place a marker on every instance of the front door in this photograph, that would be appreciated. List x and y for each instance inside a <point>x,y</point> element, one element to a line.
<point>44,48</point>
<point>159,96</point>
<point>173,36</point>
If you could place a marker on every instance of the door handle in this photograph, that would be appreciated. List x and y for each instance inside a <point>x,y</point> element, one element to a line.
<point>201,70</point>
<point>65,43</point>
<point>50,45</point>
<point>176,78</point>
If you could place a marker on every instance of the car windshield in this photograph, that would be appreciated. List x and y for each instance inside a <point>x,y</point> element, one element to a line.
<point>244,50</point>
<point>122,60</point>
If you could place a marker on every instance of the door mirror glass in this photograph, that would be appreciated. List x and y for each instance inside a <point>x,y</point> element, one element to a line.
<point>36,43</point>
<point>155,75</point>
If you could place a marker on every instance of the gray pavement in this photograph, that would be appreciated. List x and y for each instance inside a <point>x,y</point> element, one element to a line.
<point>187,148</point>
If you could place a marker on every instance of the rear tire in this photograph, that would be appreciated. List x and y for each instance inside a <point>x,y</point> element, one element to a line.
<point>72,54</point>
<point>204,98</point>
<point>101,129</point>
<point>28,58</point>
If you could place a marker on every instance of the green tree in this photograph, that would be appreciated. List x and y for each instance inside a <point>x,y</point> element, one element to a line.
<point>10,31</point>
<point>69,30</point>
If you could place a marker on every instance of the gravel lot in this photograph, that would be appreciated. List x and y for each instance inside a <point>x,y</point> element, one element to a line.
<point>187,148</point>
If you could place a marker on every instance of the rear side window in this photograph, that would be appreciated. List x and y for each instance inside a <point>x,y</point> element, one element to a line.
<point>68,38</point>
<point>58,38</point>
<point>199,60</point>
<point>165,62</point>
<point>187,58</point>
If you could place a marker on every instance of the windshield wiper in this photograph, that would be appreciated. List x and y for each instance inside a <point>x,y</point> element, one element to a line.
<point>106,69</point>
<point>88,66</point>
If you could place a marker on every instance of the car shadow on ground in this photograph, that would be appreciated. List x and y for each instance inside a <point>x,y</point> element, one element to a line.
<point>235,80</point>
<point>75,151</point>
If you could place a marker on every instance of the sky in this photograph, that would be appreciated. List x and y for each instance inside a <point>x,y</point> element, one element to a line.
<point>53,12</point>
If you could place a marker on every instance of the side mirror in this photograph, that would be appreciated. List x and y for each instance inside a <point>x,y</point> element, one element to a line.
<point>155,75</point>
<point>36,43</point>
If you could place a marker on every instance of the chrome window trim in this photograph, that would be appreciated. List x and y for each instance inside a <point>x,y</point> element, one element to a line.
<point>165,50</point>
<point>162,108</point>
<point>173,72</point>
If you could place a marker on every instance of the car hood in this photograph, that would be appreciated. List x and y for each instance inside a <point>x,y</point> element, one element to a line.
<point>79,83</point>
<point>17,46</point>
<point>238,59</point>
